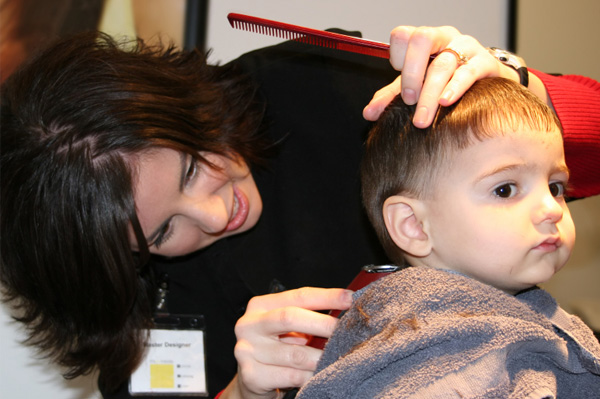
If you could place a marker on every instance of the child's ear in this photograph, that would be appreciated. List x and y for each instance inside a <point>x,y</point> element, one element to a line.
<point>404,218</point>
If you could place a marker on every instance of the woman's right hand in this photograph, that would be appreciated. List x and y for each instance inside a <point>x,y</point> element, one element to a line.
<point>271,349</point>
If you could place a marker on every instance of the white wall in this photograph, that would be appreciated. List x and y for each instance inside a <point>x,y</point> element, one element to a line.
<point>485,20</point>
<point>24,376</point>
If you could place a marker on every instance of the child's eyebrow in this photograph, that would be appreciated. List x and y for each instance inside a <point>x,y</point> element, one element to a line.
<point>502,169</point>
<point>560,167</point>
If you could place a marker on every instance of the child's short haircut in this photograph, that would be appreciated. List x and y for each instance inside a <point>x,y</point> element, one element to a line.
<point>403,159</point>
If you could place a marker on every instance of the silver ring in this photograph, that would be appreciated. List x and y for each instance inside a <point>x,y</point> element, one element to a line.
<point>461,59</point>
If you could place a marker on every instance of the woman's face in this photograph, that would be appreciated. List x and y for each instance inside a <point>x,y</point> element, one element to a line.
<point>184,205</point>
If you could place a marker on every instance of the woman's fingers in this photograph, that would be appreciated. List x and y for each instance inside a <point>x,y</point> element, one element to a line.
<point>381,99</point>
<point>252,353</point>
<point>438,65</point>
<point>411,51</point>
<point>418,45</point>
<point>306,297</point>
<point>280,322</point>
<point>439,73</point>
<point>451,74</point>
<point>262,378</point>
<point>272,334</point>
<point>480,64</point>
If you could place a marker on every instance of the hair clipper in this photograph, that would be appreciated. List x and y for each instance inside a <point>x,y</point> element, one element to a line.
<point>366,276</point>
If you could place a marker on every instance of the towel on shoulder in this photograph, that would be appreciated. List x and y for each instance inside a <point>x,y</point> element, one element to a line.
<point>431,333</point>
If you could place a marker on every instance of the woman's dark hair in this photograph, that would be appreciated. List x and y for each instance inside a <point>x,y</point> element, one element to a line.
<point>73,121</point>
<point>403,159</point>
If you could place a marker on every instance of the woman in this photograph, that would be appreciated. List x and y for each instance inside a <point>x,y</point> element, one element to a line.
<point>87,130</point>
<point>77,202</point>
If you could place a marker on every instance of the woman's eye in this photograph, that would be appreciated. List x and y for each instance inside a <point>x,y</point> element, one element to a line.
<point>557,189</point>
<point>163,236</point>
<point>507,190</point>
<point>191,172</point>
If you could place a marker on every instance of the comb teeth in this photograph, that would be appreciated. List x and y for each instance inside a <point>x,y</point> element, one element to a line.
<point>308,36</point>
<point>266,30</point>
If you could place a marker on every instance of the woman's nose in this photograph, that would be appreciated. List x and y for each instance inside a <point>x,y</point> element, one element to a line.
<point>210,214</point>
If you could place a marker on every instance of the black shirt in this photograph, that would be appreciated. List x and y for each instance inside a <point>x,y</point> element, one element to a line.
<point>313,230</point>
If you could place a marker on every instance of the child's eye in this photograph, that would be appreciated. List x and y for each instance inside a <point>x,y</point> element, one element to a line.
<point>557,189</point>
<point>507,190</point>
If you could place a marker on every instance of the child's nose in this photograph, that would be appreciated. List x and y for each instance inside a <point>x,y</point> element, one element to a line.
<point>549,210</point>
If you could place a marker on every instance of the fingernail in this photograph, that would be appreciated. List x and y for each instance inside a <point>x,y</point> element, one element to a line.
<point>447,96</point>
<point>348,296</point>
<point>409,96</point>
<point>421,115</point>
<point>368,112</point>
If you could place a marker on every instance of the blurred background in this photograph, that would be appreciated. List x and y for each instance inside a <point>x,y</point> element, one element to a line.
<point>550,36</point>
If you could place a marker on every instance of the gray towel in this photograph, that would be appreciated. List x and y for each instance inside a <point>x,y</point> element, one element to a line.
<point>435,334</point>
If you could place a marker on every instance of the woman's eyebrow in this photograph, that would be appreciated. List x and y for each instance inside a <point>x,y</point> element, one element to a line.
<point>183,172</point>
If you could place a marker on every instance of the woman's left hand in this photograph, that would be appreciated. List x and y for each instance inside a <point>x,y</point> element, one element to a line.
<point>441,81</point>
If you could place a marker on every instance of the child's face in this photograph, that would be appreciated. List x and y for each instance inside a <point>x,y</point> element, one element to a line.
<point>498,213</point>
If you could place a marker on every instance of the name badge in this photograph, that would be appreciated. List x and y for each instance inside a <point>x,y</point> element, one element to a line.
<point>174,363</point>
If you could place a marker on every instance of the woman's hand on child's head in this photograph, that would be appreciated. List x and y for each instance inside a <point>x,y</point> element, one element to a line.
<point>272,334</point>
<point>441,81</point>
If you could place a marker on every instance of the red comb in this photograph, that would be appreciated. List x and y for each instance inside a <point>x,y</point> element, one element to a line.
<point>309,36</point>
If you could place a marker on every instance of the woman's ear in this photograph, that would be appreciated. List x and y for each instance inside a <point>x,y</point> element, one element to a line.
<point>405,220</point>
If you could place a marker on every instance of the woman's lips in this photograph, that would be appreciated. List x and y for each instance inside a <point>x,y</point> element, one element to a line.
<point>241,209</point>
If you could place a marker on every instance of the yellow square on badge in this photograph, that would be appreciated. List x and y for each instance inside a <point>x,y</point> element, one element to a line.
<point>162,376</point>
